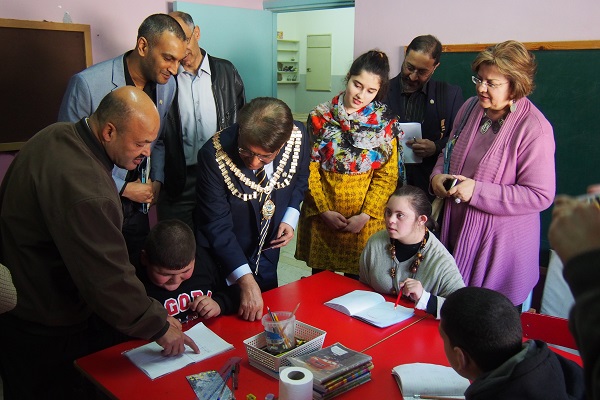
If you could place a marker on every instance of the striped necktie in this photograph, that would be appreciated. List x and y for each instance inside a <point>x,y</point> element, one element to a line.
<point>261,176</point>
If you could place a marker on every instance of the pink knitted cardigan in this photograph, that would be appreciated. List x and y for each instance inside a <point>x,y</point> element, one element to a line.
<point>499,239</point>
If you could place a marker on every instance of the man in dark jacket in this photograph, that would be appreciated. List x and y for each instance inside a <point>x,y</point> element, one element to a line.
<point>210,92</point>
<point>574,235</point>
<point>415,97</point>
<point>482,335</point>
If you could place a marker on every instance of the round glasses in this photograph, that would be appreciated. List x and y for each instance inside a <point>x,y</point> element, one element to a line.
<point>478,81</point>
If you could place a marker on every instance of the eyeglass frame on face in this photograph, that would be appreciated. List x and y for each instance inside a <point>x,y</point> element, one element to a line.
<point>264,158</point>
<point>488,85</point>
<point>189,39</point>
<point>421,73</point>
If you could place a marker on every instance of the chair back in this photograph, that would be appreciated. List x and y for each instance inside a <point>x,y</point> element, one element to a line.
<point>552,330</point>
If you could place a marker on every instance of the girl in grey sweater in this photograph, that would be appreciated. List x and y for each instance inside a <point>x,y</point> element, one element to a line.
<point>407,257</point>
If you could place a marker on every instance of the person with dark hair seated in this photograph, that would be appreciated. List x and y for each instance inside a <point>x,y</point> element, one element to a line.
<point>183,278</point>
<point>406,257</point>
<point>482,335</point>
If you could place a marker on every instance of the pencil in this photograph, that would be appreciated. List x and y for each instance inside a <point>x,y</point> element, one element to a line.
<point>274,318</point>
<point>398,299</point>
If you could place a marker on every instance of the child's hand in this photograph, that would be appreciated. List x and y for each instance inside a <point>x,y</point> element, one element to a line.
<point>412,288</point>
<point>205,307</point>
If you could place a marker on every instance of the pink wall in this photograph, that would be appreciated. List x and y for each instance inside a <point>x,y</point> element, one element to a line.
<point>470,21</point>
<point>113,23</point>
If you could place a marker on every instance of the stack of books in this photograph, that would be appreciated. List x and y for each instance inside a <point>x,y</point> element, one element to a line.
<point>336,369</point>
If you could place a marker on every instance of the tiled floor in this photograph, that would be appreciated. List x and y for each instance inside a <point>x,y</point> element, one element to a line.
<point>290,269</point>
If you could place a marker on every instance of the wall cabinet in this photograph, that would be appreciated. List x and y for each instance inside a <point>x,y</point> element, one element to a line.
<point>288,57</point>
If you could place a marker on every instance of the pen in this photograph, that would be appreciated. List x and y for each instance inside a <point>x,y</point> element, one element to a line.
<point>144,175</point>
<point>425,396</point>
<point>272,247</point>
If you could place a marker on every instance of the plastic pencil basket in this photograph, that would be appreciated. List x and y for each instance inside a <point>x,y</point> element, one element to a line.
<point>270,363</point>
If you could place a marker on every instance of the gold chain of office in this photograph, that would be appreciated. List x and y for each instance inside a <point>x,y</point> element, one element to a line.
<point>226,164</point>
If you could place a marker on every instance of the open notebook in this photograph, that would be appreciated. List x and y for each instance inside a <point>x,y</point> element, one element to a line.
<point>149,359</point>
<point>370,307</point>
<point>429,380</point>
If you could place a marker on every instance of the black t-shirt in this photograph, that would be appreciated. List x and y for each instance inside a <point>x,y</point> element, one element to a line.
<point>205,280</point>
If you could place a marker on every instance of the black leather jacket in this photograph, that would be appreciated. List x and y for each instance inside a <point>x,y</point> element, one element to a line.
<point>228,90</point>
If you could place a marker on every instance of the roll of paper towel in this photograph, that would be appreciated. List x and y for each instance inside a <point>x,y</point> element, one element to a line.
<point>295,383</point>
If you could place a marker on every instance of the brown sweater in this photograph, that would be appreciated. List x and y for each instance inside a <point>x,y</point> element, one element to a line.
<point>60,233</point>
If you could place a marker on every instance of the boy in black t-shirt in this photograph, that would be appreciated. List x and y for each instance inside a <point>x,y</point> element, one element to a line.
<point>183,278</point>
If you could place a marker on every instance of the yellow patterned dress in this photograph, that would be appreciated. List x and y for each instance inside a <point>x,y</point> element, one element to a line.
<point>353,170</point>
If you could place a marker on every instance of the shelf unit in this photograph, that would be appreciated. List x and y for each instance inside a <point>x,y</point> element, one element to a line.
<point>288,55</point>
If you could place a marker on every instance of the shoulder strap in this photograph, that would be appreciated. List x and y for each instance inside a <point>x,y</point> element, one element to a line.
<point>463,121</point>
<point>465,116</point>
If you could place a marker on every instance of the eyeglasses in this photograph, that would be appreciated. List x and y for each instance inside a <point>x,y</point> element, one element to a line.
<point>421,73</point>
<point>478,81</point>
<point>189,39</point>
<point>265,158</point>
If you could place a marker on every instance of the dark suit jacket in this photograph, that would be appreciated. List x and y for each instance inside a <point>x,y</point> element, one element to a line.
<point>418,174</point>
<point>230,226</point>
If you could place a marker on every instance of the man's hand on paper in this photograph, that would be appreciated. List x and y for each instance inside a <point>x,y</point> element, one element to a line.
<point>251,302</point>
<point>174,340</point>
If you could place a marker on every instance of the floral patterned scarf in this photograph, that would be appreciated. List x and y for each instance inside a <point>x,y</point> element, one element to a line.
<point>352,143</point>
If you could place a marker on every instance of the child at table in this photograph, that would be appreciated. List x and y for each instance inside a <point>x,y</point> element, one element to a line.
<point>406,257</point>
<point>185,279</point>
<point>482,335</point>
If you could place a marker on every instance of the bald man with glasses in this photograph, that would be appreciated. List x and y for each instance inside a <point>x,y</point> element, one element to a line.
<point>415,97</point>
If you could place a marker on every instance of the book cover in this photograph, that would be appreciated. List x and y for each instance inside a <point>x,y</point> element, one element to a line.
<point>370,307</point>
<point>342,389</point>
<point>330,362</point>
<point>419,379</point>
<point>344,379</point>
<point>209,381</point>
<point>150,360</point>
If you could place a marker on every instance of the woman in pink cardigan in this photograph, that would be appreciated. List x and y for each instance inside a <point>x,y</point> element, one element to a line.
<point>503,161</point>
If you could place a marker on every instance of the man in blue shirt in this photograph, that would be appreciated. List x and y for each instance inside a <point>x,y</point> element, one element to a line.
<point>210,93</point>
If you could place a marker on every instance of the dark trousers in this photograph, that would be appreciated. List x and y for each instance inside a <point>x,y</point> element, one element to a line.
<point>40,366</point>
<point>267,270</point>
<point>180,207</point>
<point>136,227</point>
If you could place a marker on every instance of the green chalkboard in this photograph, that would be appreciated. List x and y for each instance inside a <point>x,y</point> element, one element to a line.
<point>567,92</point>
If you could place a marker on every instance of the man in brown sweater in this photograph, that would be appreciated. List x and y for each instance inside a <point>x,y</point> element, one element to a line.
<point>60,236</point>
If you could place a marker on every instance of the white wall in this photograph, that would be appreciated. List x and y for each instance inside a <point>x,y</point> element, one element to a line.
<point>337,22</point>
<point>390,24</point>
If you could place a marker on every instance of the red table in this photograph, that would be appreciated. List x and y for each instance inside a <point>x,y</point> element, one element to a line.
<point>414,340</point>
<point>119,378</point>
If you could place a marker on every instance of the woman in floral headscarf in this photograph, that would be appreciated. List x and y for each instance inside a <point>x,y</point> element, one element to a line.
<point>353,170</point>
